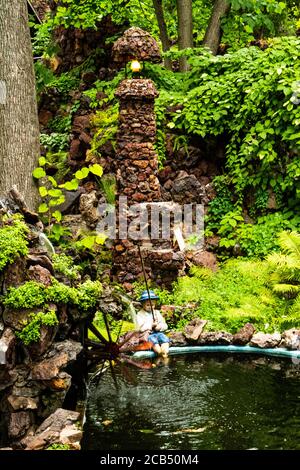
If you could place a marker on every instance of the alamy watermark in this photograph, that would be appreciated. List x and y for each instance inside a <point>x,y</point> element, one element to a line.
<point>164,221</point>
<point>3,92</point>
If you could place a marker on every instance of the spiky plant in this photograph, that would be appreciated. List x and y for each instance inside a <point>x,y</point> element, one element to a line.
<point>286,266</point>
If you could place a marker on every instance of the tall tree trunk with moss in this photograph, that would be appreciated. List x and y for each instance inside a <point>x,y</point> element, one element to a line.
<point>185,29</point>
<point>213,33</point>
<point>163,31</point>
<point>19,126</point>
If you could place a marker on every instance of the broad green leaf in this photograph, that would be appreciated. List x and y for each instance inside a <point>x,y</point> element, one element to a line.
<point>100,239</point>
<point>70,185</point>
<point>96,169</point>
<point>81,174</point>
<point>55,192</point>
<point>57,215</point>
<point>42,161</point>
<point>43,208</point>
<point>39,173</point>
<point>88,242</point>
<point>52,181</point>
<point>43,191</point>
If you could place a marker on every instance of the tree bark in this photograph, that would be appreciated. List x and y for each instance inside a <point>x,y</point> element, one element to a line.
<point>19,126</point>
<point>163,31</point>
<point>214,32</point>
<point>185,29</point>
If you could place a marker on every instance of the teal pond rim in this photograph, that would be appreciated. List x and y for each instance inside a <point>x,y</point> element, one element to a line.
<point>277,352</point>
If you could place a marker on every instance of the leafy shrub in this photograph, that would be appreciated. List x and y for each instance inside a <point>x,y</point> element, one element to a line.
<point>88,294</point>
<point>58,446</point>
<point>31,333</point>
<point>57,142</point>
<point>32,294</point>
<point>250,98</point>
<point>13,241</point>
<point>238,293</point>
<point>286,267</point>
<point>257,239</point>
<point>65,265</point>
<point>28,295</point>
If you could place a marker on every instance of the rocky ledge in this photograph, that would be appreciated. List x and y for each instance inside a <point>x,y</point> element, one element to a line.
<point>193,334</point>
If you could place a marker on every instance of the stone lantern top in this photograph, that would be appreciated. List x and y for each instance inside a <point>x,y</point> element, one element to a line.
<point>136,44</point>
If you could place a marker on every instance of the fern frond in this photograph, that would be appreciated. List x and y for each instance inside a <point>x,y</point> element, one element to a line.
<point>290,243</point>
<point>287,289</point>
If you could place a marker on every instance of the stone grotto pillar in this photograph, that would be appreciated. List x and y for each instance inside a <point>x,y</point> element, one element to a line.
<point>137,165</point>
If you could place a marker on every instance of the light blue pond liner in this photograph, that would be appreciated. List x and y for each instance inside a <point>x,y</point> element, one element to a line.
<point>277,352</point>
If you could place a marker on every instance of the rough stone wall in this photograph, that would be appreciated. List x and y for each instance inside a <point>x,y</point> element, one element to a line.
<point>34,379</point>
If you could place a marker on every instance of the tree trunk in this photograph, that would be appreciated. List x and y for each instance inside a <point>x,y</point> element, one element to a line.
<point>163,32</point>
<point>185,29</point>
<point>19,126</point>
<point>214,32</point>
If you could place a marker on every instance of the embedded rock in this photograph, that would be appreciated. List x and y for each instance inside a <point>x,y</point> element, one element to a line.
<point>88,208</point>
<point>16,321</point>
<point>47,335</point>
<point>73,222</point>
<point>215,338</point>
<point>193,330</point>
<point>35,258</point>
<point>205,259</point>
<point>7,378</point>
<point>244,335</point>
<point>49,368</point>
<point>22,403</point>
<point>187,189</point>
<point>177,338</point>
<point>39,274</point>
<point>7,348</point>
<point>70,435</point>
<point>59,425</point>
<point>69,347</point>
<point>265,340</point>
<point>291,339</point>
<point>19,423</point>
<point>71,198</point>
<point>15,274</point>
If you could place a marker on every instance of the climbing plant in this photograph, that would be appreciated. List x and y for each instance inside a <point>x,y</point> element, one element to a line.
<point>251,97</point>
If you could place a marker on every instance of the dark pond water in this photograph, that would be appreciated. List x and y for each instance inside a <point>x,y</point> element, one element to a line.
<point>195,403</point>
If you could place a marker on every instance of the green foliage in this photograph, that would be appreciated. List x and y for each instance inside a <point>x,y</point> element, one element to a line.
<point>254,239</point>
<point>64,264</point>
<point>59,293</point>
<point>90,242</point>
<point>28,295</point>
<point>88,294</point>
<point>105,123</point>
<point>250,97</point>
<point>32,294</point>
<point>31,333</point>
<point>107,88</point>
<point>251,19</point>
<point>55,141</point>
<point>286,266</point>
<point>53,194</point>
<point>109,188</point>
<point>58,446</point>
<point>42,40</point>
<point>87,13</point>
<point>221,204</point>
<point>13,241</point>
<point>116,327</point>
<point>239,292</point>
